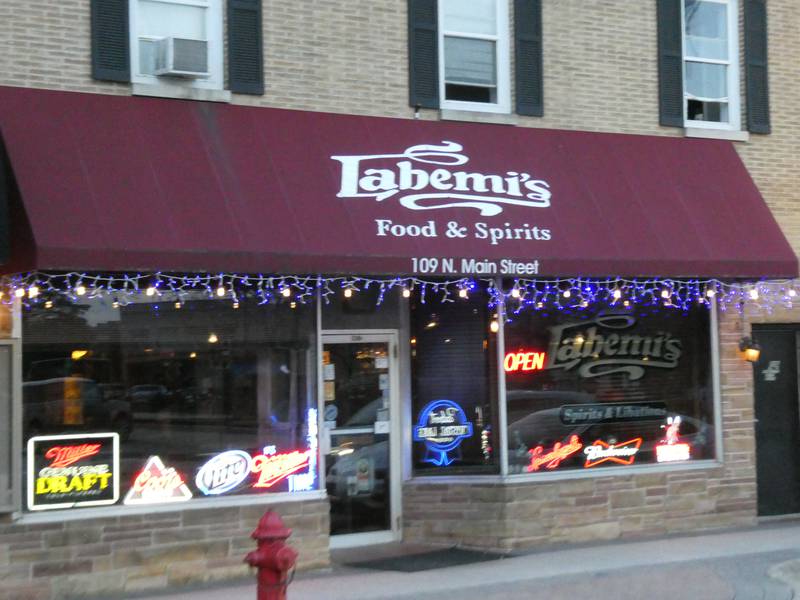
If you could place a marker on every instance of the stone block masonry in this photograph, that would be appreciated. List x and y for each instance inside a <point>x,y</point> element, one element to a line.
<point>124,554</point>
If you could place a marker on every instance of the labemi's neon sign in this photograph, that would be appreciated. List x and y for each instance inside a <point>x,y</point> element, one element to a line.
<point>524,361</point>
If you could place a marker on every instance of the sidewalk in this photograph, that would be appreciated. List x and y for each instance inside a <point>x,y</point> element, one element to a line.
<point>712,566</point>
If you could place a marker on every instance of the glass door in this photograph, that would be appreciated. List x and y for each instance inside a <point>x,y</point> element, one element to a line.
<point>359,410</point>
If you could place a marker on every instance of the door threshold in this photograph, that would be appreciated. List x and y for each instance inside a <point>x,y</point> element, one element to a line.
<point>775,518</point>
<point>354,540</point>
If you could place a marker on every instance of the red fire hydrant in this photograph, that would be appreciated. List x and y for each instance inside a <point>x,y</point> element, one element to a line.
<point>273,558</point>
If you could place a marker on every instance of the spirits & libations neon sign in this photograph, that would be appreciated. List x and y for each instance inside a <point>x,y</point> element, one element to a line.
<point>442,426</point>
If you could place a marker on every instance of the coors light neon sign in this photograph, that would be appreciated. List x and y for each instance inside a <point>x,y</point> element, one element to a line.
<point>424,178</point>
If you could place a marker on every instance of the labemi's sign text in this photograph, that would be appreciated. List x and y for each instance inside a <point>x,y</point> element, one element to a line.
<point>428,178</point>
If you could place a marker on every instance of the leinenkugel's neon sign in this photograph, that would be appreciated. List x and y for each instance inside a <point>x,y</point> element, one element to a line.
<point>524,361</point>
<point>554,457</point>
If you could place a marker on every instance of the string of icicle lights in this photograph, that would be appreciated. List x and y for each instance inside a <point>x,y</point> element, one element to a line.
<point>40,289</point>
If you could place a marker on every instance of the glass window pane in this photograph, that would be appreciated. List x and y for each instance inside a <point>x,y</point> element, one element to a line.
<point>471,16</point>
<point>612,388</point>
<point>716,112</point>
<point>164,19</point>
<point>706,29</point>
<point>223,397</point>
<point>707,81</point>
<point>148,56</point>
<point>454,386</point>
<point>469,61</point>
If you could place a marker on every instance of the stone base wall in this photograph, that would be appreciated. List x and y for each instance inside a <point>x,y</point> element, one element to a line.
<point>515,515</point>
<point>127,554</point>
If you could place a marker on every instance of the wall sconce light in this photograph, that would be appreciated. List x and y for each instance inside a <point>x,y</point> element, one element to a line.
<point>750,349</point>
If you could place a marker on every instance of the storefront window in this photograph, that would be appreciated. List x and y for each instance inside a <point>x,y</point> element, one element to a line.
<point>454,386</point>
<point>608,388</point>
<point>156,402</point>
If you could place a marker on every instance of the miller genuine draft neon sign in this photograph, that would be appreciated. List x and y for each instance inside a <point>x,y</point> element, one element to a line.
<point>67,471</point>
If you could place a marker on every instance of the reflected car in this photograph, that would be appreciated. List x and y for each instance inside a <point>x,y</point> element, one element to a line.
<point>73,403</point>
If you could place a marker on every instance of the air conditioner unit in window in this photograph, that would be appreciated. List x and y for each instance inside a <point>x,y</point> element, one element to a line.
<point>179,57</point>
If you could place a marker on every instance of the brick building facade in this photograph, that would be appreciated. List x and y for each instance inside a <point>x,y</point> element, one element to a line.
<point>600,74</point>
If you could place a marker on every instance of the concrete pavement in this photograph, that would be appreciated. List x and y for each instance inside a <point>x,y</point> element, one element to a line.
<point>761,563</point>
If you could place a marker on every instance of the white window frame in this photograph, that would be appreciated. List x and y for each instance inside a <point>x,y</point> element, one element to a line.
<point>214,33</point>
<point>734,122</point>
<point>502,67</point>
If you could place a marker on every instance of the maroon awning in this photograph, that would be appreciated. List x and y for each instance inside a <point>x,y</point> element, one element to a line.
<point>113,183</point>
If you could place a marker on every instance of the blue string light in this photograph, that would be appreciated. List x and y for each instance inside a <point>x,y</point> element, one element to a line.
<point>560,294</point>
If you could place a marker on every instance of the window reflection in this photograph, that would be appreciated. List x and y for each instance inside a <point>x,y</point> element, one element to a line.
<point>184,382</point>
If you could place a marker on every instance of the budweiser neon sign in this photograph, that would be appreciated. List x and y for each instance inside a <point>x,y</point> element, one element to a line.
<point>553,458</point>
<point>275,467</point>
<point>64,456</point>
<point>524,361</point>
<point>601,452</point>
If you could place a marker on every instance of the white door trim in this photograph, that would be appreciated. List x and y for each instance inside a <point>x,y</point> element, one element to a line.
<point>390,337</point>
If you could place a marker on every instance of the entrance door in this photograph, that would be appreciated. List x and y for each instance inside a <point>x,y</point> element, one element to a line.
<point>362,463</point>
<point>777,421</point>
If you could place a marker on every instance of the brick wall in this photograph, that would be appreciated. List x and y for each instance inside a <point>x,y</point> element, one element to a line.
<point>80,559</point>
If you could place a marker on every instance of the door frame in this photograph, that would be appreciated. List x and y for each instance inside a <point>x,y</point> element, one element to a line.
<point>355,336</point>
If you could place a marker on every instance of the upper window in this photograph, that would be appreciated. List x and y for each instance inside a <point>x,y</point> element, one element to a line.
<point>177,42</point>
<point>710,65</point>
<point>474,55</point>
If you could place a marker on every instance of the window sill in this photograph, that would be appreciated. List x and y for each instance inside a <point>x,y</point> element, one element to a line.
<point>472,116</point>
<point>122,510</point>
<point>165,90</point>
<point>717,134</point>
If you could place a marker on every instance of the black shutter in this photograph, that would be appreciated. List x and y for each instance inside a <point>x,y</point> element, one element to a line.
<point>245,47</point>
<point>423,53</point>
<point>528,57</point>
<point>755,59</point>
<point>670,62</point>
<point>110,40</point>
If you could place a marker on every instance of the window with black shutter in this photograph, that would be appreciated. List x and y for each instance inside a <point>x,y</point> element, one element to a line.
<point>460,55</point>
<point>178,43</point>
<point>698,64</point>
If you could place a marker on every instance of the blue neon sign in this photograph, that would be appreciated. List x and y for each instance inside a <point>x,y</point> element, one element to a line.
<point>442,425</point>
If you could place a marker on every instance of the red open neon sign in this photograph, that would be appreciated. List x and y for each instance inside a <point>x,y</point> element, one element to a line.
<point>524,361</point>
